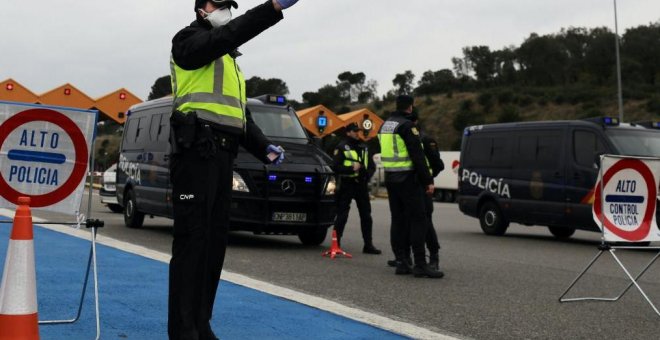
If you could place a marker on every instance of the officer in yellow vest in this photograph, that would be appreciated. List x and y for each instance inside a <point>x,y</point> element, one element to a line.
<point>407,179</point>
<point>354,167</point>
<point>209,122</point>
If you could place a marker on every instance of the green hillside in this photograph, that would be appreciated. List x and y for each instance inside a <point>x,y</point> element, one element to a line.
<point>444,116</point>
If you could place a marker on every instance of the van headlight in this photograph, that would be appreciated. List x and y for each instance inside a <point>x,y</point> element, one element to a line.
<point>331,186</point>
<point>238,184</point>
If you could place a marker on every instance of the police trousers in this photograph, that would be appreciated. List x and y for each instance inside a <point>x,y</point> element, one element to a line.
<point>431,236</point>
<point>350,189</point>
<point>201,177</point>
<point>408,216</point>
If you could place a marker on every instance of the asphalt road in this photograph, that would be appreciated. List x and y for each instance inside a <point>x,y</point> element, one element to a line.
<point>495,287</point>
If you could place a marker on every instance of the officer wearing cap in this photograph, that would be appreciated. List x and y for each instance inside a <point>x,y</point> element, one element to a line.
<point>407,179</point>
<point>354,167</point>
<point>209,122</point>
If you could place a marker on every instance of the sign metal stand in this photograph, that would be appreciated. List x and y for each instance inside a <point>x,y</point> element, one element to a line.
<point>91,262</point>
<point>46,113</point>
<point>605,247</point>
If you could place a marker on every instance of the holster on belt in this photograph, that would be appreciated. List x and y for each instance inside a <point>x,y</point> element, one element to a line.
<point>182,130</point>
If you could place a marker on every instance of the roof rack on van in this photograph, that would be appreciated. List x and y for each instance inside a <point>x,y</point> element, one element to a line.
<point>649,124</point>
<point>272,99</point>
<point>604,121</point>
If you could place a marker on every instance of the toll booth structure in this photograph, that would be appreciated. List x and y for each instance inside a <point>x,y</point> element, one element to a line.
<point>320,121</point>
<point>368,122</point>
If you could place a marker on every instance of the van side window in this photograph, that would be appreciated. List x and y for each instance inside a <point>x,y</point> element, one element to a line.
<point>142,136</point>
<point>164,127</point>
<point>586,145</point>
<point>539,149</point>
<point>130,131</point>
<point>492,150</point>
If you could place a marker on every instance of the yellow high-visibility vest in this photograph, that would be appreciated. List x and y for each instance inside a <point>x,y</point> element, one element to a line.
<point>393,151</point>
<point>351,156</point>
<point>216,92</point>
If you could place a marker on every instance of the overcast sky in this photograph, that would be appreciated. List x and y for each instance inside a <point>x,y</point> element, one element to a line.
<point>100,46</point>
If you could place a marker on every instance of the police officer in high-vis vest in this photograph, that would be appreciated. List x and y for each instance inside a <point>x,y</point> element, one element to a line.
<point>407,178</point>
<point>209,122</point>
<point>354,167</point>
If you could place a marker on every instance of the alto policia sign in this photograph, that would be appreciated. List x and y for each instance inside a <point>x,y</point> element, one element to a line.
<point>626,207</point>
<point>44,154</point>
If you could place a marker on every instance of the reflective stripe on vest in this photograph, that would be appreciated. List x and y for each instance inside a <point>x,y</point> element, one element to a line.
<point>216,92</point>
<point>351,156</point>
<point>393,153</point>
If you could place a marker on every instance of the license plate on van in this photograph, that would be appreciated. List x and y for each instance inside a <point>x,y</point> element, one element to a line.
<point>289,217</point>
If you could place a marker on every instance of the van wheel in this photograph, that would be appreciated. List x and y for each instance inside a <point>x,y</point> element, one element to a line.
<point>115,208</point>
<point>133,218</point>
<point>562,233</point>
<point>491,219</point>
<point>313,237</point>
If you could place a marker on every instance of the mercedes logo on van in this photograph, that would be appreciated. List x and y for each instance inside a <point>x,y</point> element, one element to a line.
<point>288,187</point>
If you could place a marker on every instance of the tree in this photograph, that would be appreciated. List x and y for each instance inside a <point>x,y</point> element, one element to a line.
<point>641,45</point>
<point>328,95</point>
<point>505,70</point>
<point>162,87</point>
<point>257,86</point>
<point>543,60</point>
<point>433,82</point>
<point>600,57</point>
<point>355,86</point>
<point>482,61</point>
<point>403,82</point>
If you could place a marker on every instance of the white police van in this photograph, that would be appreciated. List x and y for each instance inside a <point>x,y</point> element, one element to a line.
<point>294,198</point>
<point>543,173</point>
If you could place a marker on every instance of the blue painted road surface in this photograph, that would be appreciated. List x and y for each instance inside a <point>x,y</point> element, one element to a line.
<point>133,299</point>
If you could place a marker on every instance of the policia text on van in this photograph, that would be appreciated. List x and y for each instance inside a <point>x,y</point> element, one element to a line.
<point>296,197</point>
<point>542,173</point>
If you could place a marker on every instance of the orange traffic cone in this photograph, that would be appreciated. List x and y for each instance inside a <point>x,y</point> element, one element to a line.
<point>334,248</point>
<point>18,291</point>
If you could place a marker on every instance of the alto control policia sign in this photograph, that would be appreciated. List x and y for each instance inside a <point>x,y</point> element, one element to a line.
<point>44,154</point>
<point>626,207</point>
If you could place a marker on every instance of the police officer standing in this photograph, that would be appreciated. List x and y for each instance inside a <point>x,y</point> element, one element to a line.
<point>407,179</point>
<point>208,124</point>
<point>354,167</point>
<point>435,165</point>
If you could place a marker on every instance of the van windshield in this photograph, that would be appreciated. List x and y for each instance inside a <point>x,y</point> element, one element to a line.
<point>277,122</point>
<point>644,143</point>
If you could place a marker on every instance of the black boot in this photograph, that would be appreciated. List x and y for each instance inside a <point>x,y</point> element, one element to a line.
<point>391,263</point>
<point>434,261</point>
<point>370,249</point>
<point>425,270</point>
<point>403,267</point>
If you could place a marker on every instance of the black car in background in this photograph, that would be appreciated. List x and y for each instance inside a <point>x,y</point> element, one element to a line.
<point>293,198</point>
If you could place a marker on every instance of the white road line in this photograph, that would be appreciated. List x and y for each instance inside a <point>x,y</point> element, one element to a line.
<point>375,320</point>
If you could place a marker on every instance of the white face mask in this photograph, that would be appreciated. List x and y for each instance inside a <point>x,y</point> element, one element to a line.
<point>219,17</point>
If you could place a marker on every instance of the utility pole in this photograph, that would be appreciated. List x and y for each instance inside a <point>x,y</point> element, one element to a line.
<point>618,64</point>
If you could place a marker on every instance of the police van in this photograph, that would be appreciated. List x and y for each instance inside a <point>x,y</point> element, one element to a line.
<point>542,173</point>
<point>293,198</point>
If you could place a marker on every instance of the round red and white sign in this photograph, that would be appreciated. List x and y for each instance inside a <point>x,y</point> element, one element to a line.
<point>627,203</point>
<point>44,156</point>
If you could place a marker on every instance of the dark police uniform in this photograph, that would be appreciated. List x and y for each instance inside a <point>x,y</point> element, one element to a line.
<point>209,123</point>
<point>436,166</point>
<point>406,177</point>
<point>354,185</point>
